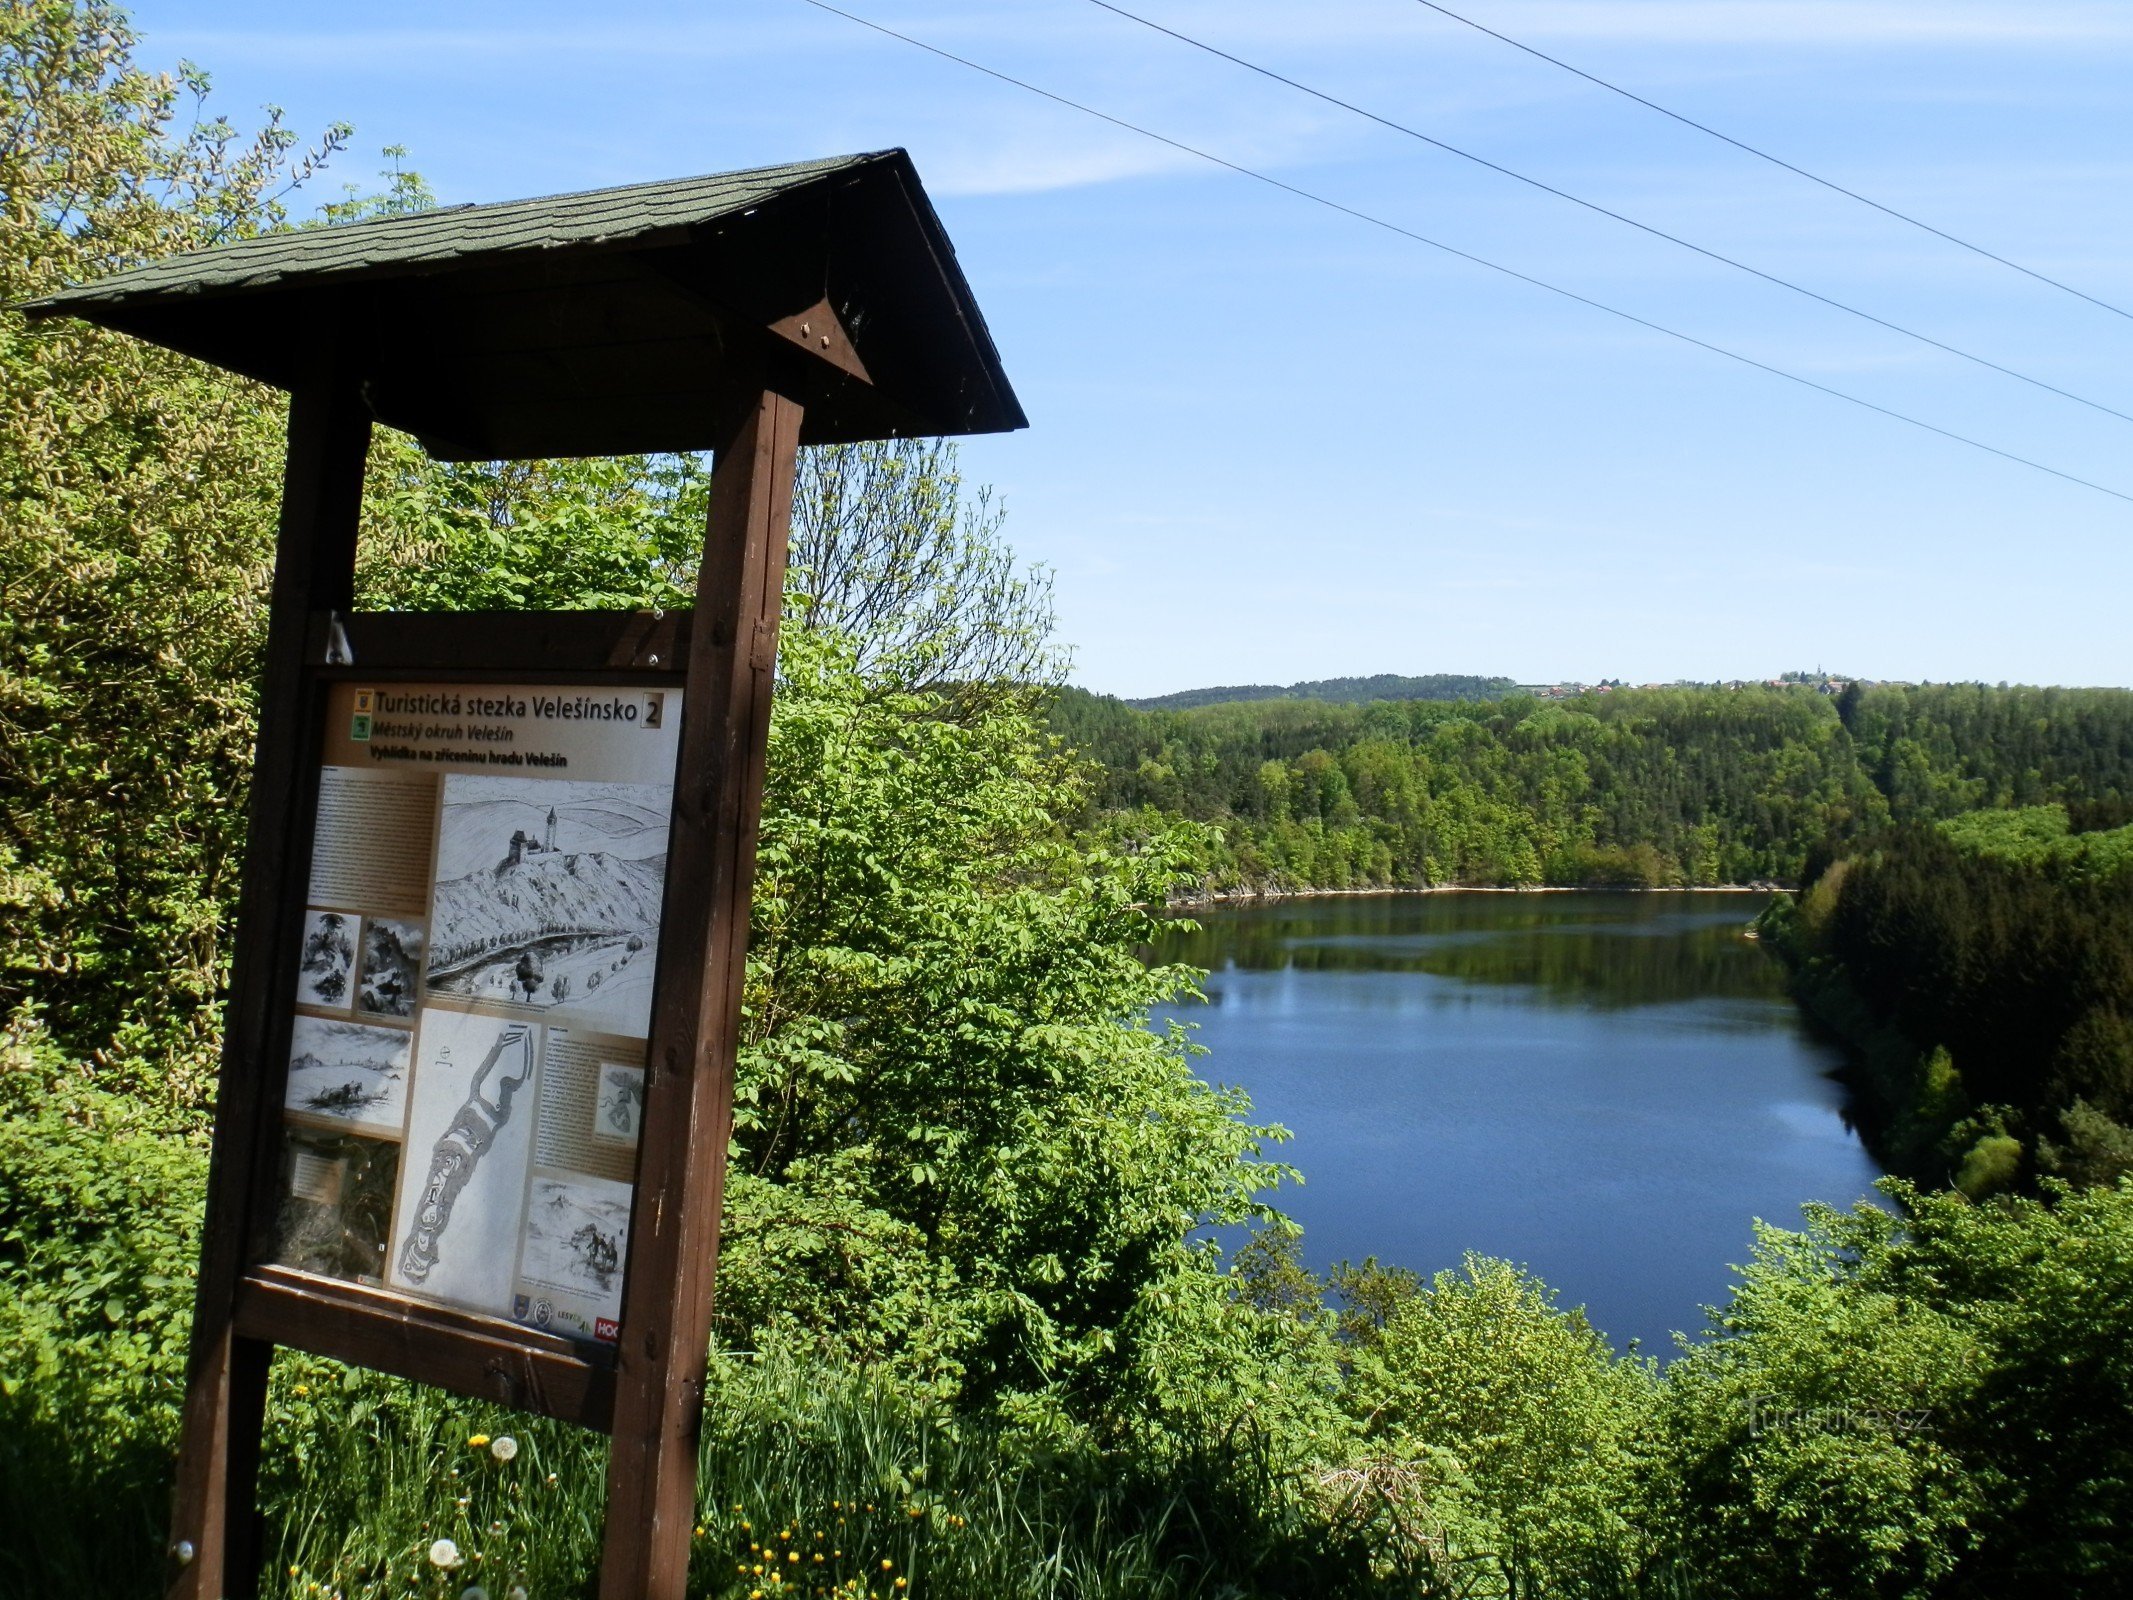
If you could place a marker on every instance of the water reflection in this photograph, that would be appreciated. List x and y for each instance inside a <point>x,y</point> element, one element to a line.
<point>1578,949</point>
<point>1606,1087</point>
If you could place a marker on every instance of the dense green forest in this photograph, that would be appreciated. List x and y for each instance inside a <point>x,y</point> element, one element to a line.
<point>977,1336</point>
<point>1983,968</point>
<point>1632,787</point>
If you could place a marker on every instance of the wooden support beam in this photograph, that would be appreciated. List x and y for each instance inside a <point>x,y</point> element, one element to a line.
<point>480,1357</point>
<point>696,1009</point>
<point>214,1549</point>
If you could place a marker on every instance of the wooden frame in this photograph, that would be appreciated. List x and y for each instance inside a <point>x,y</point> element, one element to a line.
<point>647,1391</point>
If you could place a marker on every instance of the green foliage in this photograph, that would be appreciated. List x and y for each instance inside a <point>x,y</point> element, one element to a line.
<point>1518,1414</point>
<point>1804,1453</point>
<point>1986,962</point>
<point>611,533</point>
<point>1635,788</point>
<point>946,1027</point>
<point>2041,836</point>
<point>1990,1165</point>
<point>99,1217</point>
<point>1927,1403</point>
<point>2097,1150</point>
<point>137,490</point>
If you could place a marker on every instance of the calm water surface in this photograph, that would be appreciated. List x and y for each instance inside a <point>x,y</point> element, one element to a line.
<point>1604,1087</point>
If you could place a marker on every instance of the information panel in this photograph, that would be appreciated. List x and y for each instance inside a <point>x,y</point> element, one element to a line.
<point>474,990</point>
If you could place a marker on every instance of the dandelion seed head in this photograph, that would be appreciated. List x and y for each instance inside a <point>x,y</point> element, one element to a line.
<point>504,1447</point>
<point>444,1555</point>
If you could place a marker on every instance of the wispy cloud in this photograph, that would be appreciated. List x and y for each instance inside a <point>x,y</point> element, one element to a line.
<point>1816,22</point>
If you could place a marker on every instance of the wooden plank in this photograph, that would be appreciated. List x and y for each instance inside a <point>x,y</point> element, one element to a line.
<point>226,1372</point>
<point>484,1358</point>
<point>696,1010</point>
<point>523,645</point>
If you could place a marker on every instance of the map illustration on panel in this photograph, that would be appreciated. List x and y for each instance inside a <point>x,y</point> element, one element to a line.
<point>462,1180</point>
<point>548,896</point>
<point>348,1072</point>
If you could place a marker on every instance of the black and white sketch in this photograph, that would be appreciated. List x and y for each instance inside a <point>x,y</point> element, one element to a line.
<point>548,896</point>
<point>392,967</point>
<point>577,1235</point>
<point>348,1072</point>
<point>619,1113</point>
<point>469,1142</point>
<point>325,970</point>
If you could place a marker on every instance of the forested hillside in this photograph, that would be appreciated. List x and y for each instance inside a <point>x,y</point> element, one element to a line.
<point>1637,787</point>
<point>1983,968</point>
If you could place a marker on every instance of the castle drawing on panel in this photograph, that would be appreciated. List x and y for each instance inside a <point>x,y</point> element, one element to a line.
<point>548,896</point>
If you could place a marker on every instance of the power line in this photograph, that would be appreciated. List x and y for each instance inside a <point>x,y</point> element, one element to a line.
<point>1776,161</point>
<point>1453,250</point>
<point>1594,206</point>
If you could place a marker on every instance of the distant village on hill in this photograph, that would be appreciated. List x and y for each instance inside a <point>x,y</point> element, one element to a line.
<point>1463,686</point>
<point>1819,682</point>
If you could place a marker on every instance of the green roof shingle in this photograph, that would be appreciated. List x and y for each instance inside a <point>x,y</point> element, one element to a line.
<point>425,239</point>
<point>613,321</point>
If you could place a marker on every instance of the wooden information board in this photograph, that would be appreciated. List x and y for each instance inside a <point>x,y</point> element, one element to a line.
<point>485,999</point>
<point>465,1081</point>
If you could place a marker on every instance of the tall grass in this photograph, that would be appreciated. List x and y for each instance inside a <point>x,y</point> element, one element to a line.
<point>823,1485</point>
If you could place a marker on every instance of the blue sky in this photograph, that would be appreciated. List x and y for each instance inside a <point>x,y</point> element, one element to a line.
<point>1270,443</point>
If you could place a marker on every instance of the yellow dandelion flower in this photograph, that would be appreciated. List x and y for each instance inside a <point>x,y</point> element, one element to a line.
<point>792,1555</point>
<point>899,1583</point>
<point>886,1563</point>
<point>479,1441</point>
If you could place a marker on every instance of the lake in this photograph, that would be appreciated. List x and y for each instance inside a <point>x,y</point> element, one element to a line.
<point>1604,1087</point>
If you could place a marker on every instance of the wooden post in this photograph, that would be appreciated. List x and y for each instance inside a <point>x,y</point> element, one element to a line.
<point>696,1010</point>
<point>214,1546</point>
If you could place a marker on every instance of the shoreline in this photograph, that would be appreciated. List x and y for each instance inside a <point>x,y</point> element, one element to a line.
<point>1216,897</point>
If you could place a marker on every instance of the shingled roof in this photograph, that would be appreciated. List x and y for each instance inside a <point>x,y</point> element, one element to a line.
<point>603,322</point>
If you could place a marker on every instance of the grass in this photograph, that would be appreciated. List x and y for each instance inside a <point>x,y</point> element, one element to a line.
<point>813,1485</point>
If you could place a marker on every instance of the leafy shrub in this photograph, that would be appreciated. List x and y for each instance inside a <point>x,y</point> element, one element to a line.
<point>1933,1402</point>
<point>99,1218</point>
<point>1522,1420</point>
